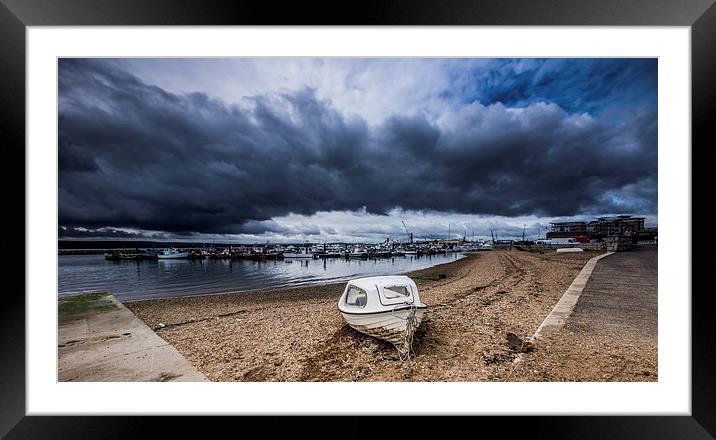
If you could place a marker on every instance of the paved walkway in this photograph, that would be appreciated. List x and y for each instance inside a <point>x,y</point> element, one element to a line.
<point>101,340</point>
<point>621,296</point>
<point>565,306</point>
<point>611,334</point>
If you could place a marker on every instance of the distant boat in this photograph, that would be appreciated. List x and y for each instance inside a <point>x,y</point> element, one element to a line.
<point>358,252</point>
<point>136,255</point>
<point>398,252</point>
<point>172,253</point>
<point>302,254</point>
<point>151,253</point>
<point>385,307</point>
<point>329,254</point>
<point>116,256</point>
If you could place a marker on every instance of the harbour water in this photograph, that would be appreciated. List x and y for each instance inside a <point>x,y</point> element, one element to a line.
<point>148,279</point>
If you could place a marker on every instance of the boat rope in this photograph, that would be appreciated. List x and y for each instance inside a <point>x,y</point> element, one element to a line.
<point>405,347</point>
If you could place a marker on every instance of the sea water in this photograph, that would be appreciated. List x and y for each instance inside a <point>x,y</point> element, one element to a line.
<point>146,279</point>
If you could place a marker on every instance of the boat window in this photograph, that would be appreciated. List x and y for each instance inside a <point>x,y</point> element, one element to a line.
<point>396,291</point>
<point>356,297</point>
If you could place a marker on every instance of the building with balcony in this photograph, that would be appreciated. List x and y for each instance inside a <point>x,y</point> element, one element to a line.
<point>598,228</point>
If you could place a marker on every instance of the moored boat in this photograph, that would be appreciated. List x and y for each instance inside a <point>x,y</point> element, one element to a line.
<point>385,307</point>
<point>328,255</point>
<point>302,253</point>
<point>358,252</point>
<point>171,253</point>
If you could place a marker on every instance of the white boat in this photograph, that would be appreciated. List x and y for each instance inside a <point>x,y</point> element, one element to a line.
<point>385,307</point>
<point>302,254</point>
<point>172,253</point>
<point>358,252</point>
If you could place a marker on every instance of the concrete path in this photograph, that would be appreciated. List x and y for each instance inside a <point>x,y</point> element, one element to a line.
<point>563,309</point>
<point>101,340</point>
<point>621,296</point>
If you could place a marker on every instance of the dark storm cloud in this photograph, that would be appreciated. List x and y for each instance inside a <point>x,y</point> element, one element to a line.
<point>83,233</point>
<point>132,155</point>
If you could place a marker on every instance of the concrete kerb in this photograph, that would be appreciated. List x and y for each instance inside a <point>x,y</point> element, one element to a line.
<point>564,307</point>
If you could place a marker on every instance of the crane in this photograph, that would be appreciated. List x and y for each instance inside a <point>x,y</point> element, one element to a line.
<point>410,235</point>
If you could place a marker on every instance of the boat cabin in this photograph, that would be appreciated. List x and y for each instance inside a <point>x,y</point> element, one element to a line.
<point>379,294</point>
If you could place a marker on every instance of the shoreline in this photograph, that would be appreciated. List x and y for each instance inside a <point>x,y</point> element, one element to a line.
<point>307,285</point>
<point>317,284</point>
<point>296,334</point>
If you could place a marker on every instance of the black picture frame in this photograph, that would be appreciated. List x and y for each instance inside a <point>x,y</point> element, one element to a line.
<point>16,15</point>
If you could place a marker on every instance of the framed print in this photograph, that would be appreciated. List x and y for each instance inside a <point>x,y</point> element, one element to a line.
<point>463,206</point>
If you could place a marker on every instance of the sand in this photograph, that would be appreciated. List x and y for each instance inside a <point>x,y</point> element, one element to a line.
<point>298,334</point>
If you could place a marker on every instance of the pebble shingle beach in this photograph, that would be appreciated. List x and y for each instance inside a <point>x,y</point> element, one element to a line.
<point>298,334</point>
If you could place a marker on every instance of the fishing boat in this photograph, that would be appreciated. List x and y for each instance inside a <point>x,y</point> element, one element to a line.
<point>381,251</point>
<point>385,307</point>
<point>358,252</point>
<point>171,254</point>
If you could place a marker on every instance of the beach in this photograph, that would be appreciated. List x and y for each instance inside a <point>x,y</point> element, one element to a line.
<point>298,334</point>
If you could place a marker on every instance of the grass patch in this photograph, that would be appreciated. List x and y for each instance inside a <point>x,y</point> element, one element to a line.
<point>77,299</point>
<point>98,302</point>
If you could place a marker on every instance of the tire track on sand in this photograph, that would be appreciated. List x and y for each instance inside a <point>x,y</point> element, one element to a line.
<point>349,355</point>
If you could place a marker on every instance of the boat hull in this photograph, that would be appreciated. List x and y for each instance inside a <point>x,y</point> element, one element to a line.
<point>388,326</point>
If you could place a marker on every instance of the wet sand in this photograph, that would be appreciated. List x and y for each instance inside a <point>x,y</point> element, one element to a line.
<point>298,334</point>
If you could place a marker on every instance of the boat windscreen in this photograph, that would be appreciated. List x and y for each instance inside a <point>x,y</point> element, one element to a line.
<point>391,292</point>
<point>356,297</point>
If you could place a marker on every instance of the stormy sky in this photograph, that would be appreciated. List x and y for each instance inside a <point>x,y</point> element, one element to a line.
<point>345,149</point>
